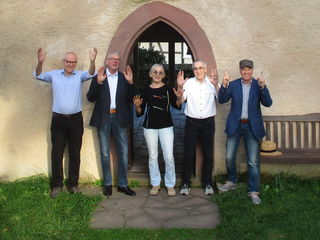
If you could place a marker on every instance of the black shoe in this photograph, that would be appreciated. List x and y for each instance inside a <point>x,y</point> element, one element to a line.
<point>107,190</point>
<point>73,190</point>
<point>126,190</point>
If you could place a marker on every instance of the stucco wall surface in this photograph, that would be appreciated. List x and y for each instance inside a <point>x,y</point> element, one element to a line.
<point>282,37</point>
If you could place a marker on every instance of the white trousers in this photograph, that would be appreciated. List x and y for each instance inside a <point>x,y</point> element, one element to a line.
<point>166,140</point>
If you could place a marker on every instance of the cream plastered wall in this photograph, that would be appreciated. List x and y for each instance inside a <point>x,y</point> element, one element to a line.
<point>281,36</point>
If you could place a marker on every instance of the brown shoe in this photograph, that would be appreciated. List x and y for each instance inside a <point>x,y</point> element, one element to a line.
<point>55,192</point>
<point>171,191</point>
<point>154,190</point>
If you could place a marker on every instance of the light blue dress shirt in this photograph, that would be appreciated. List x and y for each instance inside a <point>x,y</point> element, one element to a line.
<point>67,90</point>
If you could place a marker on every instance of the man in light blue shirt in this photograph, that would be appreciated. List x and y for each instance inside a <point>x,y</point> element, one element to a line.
<point>67,121</point>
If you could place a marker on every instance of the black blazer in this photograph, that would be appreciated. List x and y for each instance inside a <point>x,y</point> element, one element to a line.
<point>100,93</point>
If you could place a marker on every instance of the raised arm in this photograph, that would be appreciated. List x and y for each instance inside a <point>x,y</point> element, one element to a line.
<point>41,57</point>
<point>92,55</point>
<point>214,79</point>
<point>179,91</point>
<point>128,74</point>
<point>224,93</point>
<point>266,99</point>
<point>95,85</point>
<point>137,101</point>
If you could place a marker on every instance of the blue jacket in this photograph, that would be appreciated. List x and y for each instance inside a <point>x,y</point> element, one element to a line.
<point>101,95</point>
<point>256,96</point>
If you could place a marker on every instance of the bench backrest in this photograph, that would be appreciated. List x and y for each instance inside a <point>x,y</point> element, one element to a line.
<point>294,131</point>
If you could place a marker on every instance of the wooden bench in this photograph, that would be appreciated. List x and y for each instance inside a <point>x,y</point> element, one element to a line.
<point>297,137</point>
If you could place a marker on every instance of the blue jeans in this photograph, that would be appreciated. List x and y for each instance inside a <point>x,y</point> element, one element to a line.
<point>252,149</point>
<point>121,138</point>
<point>166,140</point>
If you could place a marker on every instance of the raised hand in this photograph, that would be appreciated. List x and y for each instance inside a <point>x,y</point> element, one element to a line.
<point>180,79</point>
<point>178,93</point>
<point>41,55</point>
<point>214,77</point>
<point>102,76</point>
<point>261,80</point>
<point>226,79</point>
<point>128,74</point>
<point>93,54</point>
<point>137,101</point>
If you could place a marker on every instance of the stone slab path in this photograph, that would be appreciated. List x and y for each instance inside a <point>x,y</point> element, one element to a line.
<point>195,211</point>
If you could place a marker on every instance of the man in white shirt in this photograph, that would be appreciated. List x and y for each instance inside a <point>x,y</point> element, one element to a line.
<point>199,93</point>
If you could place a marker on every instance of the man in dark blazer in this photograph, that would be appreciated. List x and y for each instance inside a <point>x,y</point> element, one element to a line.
<point>244,121</point>
<point>113,92</point>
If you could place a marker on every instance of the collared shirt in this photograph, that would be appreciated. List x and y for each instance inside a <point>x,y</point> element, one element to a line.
<point>113,83</point>
<point>245,99</point>
<point>200,97</point>
<point>67,90</point>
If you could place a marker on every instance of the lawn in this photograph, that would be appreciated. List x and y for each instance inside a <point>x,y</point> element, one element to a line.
<point>290,210</point>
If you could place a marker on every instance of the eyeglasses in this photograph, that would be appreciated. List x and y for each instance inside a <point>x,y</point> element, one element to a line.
<point>198,68</point>
<point>114,59</point>
<point>155,72</point>
<point>70,62</point>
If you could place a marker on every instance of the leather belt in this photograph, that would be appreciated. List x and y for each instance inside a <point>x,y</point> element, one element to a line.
<point>113,110</point>
<point>244,120</point>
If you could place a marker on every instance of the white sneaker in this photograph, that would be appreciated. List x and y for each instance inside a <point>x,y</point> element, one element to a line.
<point>227,186</point>
<point>208,190</point>
<point>254,197</point>
<point>185,189</point>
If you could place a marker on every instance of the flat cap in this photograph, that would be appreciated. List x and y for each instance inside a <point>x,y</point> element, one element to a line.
<point>245,63</point>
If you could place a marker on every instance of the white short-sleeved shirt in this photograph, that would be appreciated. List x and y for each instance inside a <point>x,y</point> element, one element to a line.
<point>200,98</point>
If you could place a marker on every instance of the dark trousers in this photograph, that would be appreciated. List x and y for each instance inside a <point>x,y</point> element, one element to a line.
<point>202,129</point>
<point>66,128</point>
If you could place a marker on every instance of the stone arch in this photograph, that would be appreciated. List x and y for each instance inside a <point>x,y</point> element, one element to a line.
<point>129,30</point>
<point>184,23</point>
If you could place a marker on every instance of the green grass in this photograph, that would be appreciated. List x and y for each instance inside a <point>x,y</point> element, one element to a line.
<point>289,210</point>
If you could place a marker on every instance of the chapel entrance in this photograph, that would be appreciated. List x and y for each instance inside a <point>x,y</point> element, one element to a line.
<point>160,43</point>
<point>173,33</point>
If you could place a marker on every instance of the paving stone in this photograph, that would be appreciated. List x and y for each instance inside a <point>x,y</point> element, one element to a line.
<point>131,213</point>
<point>161,211</point>
<point>128,202</point>
<point>142,221</point>
<point>165,213</point>
<point>107,219</point>
<point>154,203</point>
<point>192,201</point>
<point>206,208</point>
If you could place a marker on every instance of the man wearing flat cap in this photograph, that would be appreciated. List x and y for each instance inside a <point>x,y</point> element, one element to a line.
<point>244,121</point>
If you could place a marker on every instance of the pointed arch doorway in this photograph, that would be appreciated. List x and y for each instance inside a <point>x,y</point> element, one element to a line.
<point>140,24</point>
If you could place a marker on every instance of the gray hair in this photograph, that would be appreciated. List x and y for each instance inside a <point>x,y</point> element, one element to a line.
<point>112,54</point>
<point>199,61</point>
<point>154,66</point>
<point>109,56</point>
<point>68,53</point>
